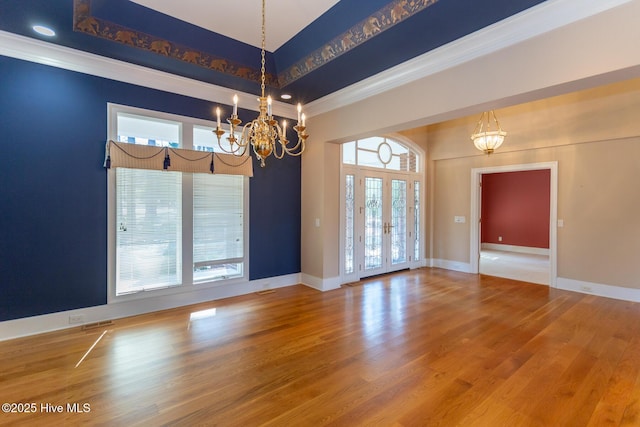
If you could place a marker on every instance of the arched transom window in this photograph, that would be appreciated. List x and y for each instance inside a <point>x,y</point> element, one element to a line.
<point>380,152</point>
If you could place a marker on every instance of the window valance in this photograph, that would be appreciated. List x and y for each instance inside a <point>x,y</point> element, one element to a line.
<point>125,155</point>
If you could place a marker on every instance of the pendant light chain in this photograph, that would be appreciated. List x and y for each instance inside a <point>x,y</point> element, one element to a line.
<point>262,69</point>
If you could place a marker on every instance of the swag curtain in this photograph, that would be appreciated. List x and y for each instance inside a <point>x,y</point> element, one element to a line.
<point>125,155</point>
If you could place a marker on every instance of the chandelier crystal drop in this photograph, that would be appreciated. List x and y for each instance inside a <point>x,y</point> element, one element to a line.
<point>264,133</point>
<point>483,137</point>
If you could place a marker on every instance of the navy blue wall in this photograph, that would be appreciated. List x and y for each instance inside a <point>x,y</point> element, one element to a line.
<point>53,189</point>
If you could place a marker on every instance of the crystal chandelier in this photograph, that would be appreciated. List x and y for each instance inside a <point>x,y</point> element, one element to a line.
<point>483,137</point>
<point>264,134</point>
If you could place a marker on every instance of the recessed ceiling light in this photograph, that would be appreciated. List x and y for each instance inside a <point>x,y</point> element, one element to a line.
<point>285,96</point>
<point>45,31</point>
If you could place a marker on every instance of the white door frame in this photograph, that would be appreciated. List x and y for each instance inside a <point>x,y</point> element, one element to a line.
<point>476,176</point>
<point>358,173</point>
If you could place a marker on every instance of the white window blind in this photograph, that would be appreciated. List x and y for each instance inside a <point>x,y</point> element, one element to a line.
<point>218,226</point>
<point>148,230</point>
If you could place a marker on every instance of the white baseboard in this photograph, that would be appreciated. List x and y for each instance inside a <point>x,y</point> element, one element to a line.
<point>514,248</point>
<point>598,289</point>
<point>463,267</point>
<point>56,321</point>
<point>424,262</point>
<point>320,284</point>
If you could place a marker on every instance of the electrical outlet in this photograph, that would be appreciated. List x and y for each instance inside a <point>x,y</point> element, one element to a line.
<point>76,318</point>
<point>586,288</point>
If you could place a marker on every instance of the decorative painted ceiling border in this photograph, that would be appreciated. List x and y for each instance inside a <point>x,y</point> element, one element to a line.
<point>385,18</point>
<point>84,22</point>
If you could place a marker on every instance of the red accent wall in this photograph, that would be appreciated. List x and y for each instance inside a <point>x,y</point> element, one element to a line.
<point>515,205</point>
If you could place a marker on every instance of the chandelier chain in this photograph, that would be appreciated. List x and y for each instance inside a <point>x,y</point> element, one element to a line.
<point>262,69</point>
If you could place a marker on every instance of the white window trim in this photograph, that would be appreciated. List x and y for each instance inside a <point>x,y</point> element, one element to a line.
<point>187,214</point>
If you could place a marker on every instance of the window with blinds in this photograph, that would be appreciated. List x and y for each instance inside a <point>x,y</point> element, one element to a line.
<point>218,227</point>
<point>166,221</point>
<point>149,230</point>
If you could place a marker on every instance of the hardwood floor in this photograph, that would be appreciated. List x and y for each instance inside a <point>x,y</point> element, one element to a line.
<point>425,347</point>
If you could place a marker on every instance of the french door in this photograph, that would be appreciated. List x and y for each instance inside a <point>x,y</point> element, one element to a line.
<point>378,233</point>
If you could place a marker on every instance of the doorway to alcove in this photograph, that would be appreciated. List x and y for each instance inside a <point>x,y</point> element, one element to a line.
<point>514,225</point>
<point>511,250</point>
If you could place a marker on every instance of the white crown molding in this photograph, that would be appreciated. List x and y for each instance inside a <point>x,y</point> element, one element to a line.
<point>33,50</point>
<point>540,19</point>
<point>545,17</point>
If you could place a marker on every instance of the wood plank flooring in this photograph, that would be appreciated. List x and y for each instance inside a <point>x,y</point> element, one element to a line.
<point>427,347</point>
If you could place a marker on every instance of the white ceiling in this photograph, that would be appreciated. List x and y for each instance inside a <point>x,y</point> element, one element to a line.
<point>241,19</point>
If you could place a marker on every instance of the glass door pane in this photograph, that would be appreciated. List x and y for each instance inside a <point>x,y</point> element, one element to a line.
<point>349,225</point>
<point>398,227</point>
<point>373,223</point>
<point>416,220</point>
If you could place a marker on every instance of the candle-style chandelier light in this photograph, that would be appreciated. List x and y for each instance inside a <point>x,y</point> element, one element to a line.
<point>264,133</point>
